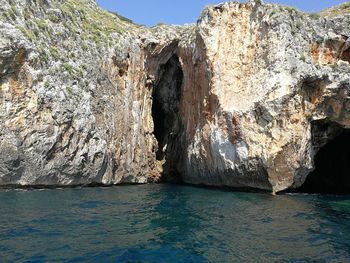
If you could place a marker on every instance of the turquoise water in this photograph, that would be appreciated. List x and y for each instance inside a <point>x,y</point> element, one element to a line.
<point>169,223</point>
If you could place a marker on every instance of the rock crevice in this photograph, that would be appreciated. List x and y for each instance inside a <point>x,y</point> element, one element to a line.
<point>167,121</point>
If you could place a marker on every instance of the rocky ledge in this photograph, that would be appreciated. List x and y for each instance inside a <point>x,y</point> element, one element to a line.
<point>245,98</point>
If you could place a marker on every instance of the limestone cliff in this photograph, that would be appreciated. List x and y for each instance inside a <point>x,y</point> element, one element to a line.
<point>235,100</point>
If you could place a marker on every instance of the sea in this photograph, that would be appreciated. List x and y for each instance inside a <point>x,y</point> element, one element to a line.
<point>171,223</point>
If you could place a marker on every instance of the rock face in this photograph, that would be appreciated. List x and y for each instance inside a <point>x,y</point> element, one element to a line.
<point>241,99</point>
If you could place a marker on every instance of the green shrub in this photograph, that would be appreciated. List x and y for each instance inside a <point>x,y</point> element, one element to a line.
<point>69,68</point>
<point>28,34</point>
<point>69,91</point>
<point>11,14</point>
<point>29,23</point>
<point>44,57</point>
<point>53,18</point>
<point>41,24</point>
<point>27,15</point>
<point>36,32</point>
<point>123,18</point>
<point>291,9</point>
<point>54,53</point>
<point>345,5</point>
<point>314,16</point>
<point>13,9</point>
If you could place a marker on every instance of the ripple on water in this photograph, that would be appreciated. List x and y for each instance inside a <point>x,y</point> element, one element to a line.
<point>164,223</point>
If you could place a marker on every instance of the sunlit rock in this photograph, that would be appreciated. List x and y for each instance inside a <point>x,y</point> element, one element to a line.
<point>88,97</point>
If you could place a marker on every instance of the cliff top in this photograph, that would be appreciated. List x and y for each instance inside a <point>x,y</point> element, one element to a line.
<point>337,10</point>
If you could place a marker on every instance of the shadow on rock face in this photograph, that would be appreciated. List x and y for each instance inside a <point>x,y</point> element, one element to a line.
<point>332,160</point>
<point>165,112</point>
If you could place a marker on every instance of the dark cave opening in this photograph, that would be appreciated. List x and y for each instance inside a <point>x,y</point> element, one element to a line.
<point>332,160</point>
<point>165,113</point>
<point>345,55</point>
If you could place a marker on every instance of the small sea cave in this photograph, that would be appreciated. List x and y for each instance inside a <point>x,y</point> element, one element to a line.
<point>345,55</point>
<point>167,122</point>
<point>331,175</point>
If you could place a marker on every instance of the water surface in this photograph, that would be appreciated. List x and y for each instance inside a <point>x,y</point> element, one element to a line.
<point>169,223</point>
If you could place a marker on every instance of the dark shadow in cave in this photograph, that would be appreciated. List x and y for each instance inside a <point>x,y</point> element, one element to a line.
<point>332,161</point>
<point>165,113</point>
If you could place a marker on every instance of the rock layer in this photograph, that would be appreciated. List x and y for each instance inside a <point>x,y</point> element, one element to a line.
<point>88,97</point>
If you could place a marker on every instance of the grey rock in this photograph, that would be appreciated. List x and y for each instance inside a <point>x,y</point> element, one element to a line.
<point>238,94</point>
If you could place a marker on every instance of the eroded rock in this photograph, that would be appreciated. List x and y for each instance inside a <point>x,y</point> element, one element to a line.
<point>88,97</point>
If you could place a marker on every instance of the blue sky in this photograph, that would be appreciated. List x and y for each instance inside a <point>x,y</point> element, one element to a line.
<point>150,12</point>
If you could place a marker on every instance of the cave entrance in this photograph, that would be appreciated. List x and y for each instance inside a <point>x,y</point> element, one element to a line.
<point>167,122</point>
<point>332,160</point>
